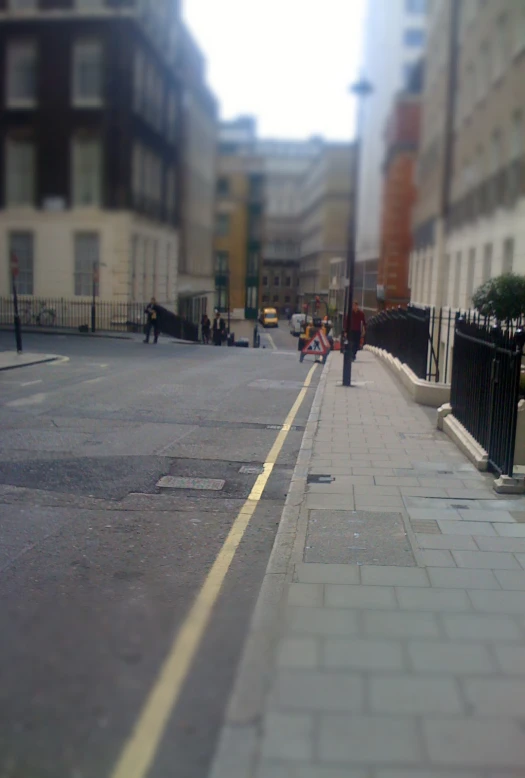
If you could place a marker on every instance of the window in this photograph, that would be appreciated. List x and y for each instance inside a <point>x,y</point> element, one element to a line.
<point>288,281</point>
<point>414,38</point>
<point>517,135</point>
<point>276,298</point>
<point>287,298</point>
<point>446,273</point>
<point>484,70</point>
<point>222,261</point>
<point>265,298</point>
<point>223,186</point>
<point>500,49</point>
<point>138,170</point>
<point>171,192</point>
<point>138,82</point>
<point>171,117</point>
<point>487,262</point>
<point>276,281</point>
<point>20,172</point>
<point>21,246</point>
<point>86,171</point>
<point>470,276</point>
<point>87,73</point>
<point>265,280</point>
<point>416,6</point>
<point>253,263</point>
<point>508,256</point>
<point>87,261</point>
<point>495,151</point>
<point>222,224</point>
<point>457,280</point>
<point>21,74</point>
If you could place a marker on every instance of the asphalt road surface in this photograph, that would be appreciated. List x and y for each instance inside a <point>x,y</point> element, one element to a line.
<point>99,568</point>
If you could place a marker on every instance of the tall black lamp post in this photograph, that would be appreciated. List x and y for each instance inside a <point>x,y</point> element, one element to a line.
<point>361,89</point>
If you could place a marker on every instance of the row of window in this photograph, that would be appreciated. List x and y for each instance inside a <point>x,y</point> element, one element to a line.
<point>22,74</point>
<point>277,281</point>
<point>151,99</point>
<point>277,299</point>
<point>86,171</point>
<point>491,61</point>
<point>150,180</point>
<point>487,162</point>
<point>33,5</point>
<point>86,259</point>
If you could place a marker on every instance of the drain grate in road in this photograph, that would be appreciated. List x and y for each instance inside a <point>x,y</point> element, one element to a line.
<point>251,469</point>
<point>200,484</point>
<point>425,526</point>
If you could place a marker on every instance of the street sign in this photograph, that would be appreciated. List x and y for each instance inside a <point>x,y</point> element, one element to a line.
<point>318,346</point>
<point>15,270</point>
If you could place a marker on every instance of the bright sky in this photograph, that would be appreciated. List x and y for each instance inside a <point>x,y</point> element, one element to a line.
<point>287,62</point>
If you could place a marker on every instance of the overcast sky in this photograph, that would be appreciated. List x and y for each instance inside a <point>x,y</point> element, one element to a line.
<point>288,62</point>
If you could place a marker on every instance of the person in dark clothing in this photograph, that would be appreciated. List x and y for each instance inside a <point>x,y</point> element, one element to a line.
<point>206,328</point>
<point>219,329</point>
<point>355,327</point>
<point>152,322</point>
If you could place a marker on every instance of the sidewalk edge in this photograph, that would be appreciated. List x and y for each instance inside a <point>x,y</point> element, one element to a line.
<point>239,738</point>
<point>30,364</point>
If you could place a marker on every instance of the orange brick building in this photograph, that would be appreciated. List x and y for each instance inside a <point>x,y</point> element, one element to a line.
<point>399,194</point>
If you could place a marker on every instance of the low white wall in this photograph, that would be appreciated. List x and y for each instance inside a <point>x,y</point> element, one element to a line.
<point>422,392</point>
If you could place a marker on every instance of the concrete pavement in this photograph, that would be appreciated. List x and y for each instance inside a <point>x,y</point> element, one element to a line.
<point>9,360</point>
<point>394,646</point>
<point>99,568</point>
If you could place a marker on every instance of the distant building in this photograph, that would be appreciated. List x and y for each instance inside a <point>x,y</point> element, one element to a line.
<point>470,213</point>
<point>93,111</point>
<point>399,194</point>
<point>326,199</point>
<point>238,220</point>
<point>395,38</point>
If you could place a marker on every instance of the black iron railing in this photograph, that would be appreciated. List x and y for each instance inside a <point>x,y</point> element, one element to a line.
<point>48,313</point>
<point>485,386</point>
<point>404,333</point>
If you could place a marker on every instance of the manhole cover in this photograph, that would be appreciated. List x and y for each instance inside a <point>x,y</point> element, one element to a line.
<point>201,484</point>
<point>459,507</point>
<point>425,526</point>
<point>315,478</point>
<point>251,470</point>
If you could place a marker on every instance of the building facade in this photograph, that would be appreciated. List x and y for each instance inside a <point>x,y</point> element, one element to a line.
<point>470,214</point>
<point>93,104</point>
<point>238,220</point>
<point>399,195</point>
<point>393,44</point>
<point>326,199</point>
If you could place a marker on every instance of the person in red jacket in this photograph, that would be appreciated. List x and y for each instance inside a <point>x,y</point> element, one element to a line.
<point>355,328</point>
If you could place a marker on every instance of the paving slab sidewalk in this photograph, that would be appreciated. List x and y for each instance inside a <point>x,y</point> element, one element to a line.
<point>397,646</point>
<point>9,360</point>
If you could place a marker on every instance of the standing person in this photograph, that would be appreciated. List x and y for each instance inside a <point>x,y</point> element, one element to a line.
<point>206,327</point>
<point>357,328</point>
<point>219,329</point>
<point>151,311</point>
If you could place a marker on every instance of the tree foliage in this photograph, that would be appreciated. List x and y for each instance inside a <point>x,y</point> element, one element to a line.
<point>502,297</point>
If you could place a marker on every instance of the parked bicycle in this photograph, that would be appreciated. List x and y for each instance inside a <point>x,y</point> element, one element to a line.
<point>44,316</point>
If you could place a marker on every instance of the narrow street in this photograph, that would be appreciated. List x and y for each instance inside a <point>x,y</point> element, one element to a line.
<point>99,566</point>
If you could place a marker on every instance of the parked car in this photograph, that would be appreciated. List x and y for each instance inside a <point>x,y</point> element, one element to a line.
<point>296,322</point>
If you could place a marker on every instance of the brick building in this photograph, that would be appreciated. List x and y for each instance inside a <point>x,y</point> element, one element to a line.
<point>399,194</point>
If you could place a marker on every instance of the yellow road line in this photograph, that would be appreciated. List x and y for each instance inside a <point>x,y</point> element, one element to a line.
<point>140,750</point>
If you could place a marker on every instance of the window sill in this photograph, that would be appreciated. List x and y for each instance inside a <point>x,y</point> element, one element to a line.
<point>78,102</point>
<point>17,105</point>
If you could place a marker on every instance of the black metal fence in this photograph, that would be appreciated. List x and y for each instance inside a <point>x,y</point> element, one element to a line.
<point>486,384</point>
<point>404,333</point>
<point>78,315</point>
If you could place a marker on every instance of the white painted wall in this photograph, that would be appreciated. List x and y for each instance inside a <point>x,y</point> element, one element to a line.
<point>54,236</point>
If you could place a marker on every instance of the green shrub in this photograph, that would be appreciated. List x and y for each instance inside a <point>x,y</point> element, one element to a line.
<point>502,297</point>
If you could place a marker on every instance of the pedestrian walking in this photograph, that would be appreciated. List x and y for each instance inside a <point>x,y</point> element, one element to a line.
<point>205,328</point>
<point>152,321</point>
<point>355,328</point>
<point>219,329</point>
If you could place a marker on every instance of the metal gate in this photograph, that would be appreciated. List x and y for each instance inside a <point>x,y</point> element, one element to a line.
<point>485,387</point>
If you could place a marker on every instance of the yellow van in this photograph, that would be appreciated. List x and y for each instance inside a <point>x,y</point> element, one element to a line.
<point>269,317</point>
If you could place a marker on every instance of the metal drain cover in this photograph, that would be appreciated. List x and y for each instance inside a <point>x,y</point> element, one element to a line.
<point>425,526</point>
<point>319,478</point>
<point>202,484</point>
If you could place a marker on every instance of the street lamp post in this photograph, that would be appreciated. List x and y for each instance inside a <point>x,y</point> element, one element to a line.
<point>361,89</point>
